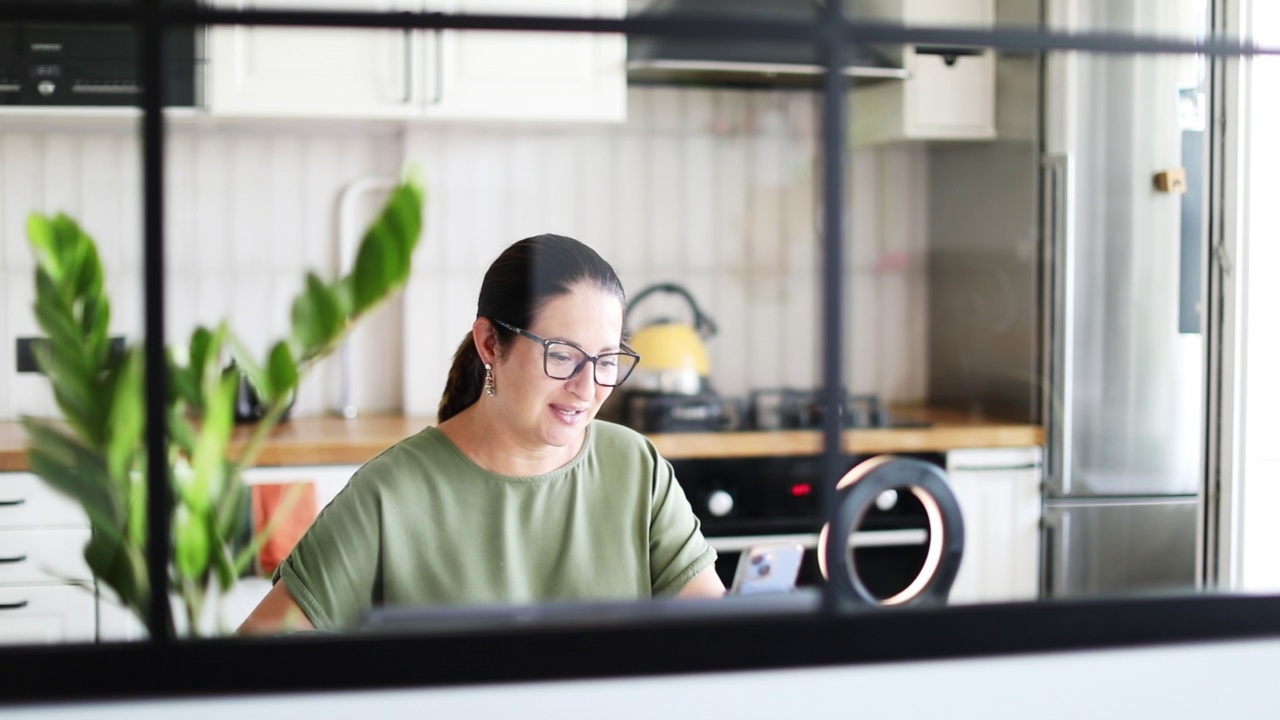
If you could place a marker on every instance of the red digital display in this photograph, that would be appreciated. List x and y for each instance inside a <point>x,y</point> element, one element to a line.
<point>801,489</point>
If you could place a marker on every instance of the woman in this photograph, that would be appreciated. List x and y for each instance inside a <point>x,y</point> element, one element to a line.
<point>518,495</point>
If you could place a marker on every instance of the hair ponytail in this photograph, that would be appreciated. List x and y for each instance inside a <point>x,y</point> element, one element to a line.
<point>466,381</point>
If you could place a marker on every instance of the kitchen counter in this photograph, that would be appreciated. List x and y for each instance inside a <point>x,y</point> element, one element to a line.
<point>335,441</point>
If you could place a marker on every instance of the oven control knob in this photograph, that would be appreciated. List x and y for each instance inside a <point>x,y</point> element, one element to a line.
<point>719,503</point>
<point>46,87</point>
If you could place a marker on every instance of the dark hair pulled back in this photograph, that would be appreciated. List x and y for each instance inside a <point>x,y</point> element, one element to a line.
<point>523,278</point>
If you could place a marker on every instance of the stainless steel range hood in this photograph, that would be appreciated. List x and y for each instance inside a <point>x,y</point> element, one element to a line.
<point>713,61</point>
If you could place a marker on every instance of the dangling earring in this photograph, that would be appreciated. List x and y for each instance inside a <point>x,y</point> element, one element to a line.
<point>488,379</point>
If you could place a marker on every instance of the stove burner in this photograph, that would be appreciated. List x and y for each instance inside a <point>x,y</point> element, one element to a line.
<point>789,409</point>
<point>663,412</point>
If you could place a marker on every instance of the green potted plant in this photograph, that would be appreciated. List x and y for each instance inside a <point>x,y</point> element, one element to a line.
<point>96,454</point>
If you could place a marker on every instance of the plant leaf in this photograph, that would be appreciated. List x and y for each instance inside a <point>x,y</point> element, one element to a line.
<point>374,268</point>
<point>126,419</point>
<point>317,316</point>
<point>382,261</point>
<point>190,543</point>
<point>121,567</point>
<point>283,373</point>
<point>74,470</point>
<point>137,522</point>
<point>256,373</point>
<point>209,460</point>
<point>41,236</point>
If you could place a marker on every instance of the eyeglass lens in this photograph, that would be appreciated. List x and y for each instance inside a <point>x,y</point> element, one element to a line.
<point>563,362</point>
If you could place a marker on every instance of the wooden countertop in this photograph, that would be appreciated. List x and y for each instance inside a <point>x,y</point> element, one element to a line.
<point>335,441</point>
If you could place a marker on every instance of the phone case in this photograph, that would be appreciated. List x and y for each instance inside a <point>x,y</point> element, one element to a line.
<point>768,569</point>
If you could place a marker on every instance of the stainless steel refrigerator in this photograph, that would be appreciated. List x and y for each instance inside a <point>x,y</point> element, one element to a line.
<point>1065,288</point>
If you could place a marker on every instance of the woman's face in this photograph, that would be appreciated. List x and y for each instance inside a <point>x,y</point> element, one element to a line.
<point>544,411</point>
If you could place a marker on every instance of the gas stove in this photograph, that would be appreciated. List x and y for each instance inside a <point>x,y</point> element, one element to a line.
<point>773,409</point>
<point>790,409</point>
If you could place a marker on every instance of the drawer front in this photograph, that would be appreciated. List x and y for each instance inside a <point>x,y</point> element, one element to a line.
<point>46,614</point>
<point>43,556</point>
<point>26,501</point>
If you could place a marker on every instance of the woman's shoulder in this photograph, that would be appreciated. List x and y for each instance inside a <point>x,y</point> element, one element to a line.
<point>411,456</point>
<point>613,439</point>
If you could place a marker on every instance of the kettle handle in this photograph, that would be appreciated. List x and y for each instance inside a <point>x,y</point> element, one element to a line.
<point>701,323</point>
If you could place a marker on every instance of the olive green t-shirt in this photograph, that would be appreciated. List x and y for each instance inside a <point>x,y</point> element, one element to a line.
<point>421,524</point>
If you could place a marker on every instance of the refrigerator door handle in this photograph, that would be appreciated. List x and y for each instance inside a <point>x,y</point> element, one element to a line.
<point>1054,566</point>
<point>1058,302</point>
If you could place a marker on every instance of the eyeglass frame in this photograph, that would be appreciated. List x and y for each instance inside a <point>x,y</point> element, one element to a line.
<point>546,348</point>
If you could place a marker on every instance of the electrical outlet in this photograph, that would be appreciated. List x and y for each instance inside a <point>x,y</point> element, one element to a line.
<point>26,352</point>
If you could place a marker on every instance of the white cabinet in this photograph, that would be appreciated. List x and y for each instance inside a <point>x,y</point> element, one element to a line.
<point>314,72</point>
<point>999,495</point>
<point>948,96</point>
<point>529,76</point>
<point>428,74</point>
<point>46,589</point>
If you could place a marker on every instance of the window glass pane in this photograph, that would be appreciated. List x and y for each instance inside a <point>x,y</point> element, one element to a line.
<point>56,516</point>
<point>1029,254</point>
<point>1005,282</point>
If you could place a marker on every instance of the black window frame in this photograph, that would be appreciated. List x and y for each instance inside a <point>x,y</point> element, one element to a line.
<point>165,667</point>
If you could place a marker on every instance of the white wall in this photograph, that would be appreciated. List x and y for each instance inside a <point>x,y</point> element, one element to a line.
<point>714,189</point>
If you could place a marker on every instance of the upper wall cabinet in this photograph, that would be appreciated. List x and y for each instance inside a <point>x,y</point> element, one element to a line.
<point>529,76</point>
<point>319,72</point>
<point>950,94</point>
<point>432,74</point>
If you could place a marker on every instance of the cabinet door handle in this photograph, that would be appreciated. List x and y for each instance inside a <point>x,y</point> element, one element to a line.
<point>13,605</point>
<point>949,54</point>
<point>407,38</point>
<point>14,559</point>
<point>13,503</point>
<point>437,92</point>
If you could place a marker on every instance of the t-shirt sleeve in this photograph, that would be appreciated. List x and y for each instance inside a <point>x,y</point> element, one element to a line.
<point>677,549</point>
<point>333,571</point>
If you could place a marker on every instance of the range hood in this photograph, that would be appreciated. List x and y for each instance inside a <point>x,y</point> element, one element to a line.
<point>719,62</point>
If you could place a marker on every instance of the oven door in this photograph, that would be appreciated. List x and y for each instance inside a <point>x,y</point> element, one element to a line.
<point>887,560</point>
<point>751,501</point>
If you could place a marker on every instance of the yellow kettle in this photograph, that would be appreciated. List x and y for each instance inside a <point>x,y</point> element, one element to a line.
<point>673,358</point>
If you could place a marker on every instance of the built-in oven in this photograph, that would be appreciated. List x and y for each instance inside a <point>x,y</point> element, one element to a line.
<point>63,64</point>
<point>746,501</point>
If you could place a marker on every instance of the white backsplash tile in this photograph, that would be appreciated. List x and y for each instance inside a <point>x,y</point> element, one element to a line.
<point>715,189</point>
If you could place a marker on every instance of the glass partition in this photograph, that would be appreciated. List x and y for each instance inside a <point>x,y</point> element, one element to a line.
<point>1023,264</point>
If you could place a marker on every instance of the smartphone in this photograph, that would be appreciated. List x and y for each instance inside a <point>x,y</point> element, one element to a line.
<point>771,568</point>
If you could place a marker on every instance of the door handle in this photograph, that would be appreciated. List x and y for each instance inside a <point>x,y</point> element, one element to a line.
<point>1054,564</point>
<point>1057,300</point>
<point>14,605</point>
<point>13,503</point>
<point>13,560</point>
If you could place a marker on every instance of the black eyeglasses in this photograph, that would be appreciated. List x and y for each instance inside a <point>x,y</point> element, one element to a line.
<point>562,360</point>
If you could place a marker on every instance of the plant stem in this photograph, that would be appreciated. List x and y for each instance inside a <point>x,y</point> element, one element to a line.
<point>259,435</point>
<point>260,431</point>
